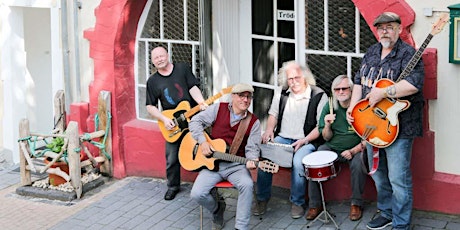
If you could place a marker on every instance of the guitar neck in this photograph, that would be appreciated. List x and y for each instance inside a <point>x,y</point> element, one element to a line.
<point>196,109</point>
<point>414,60</point>
<point>230,157</point>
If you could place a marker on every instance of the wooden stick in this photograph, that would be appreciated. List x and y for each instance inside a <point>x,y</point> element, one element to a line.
<point>88,162</point>
<point>54,131</point>
<point>26,153</point>
<point>47,135</point>
<point>50,154</point>
<point>56,171</point>
<point>24,132</point>
<point>74,157</point>
<point>90,156</point>
<point>64,147</point>
<point>331,108</point>
<point>104,106</point>
<point>93,135</point>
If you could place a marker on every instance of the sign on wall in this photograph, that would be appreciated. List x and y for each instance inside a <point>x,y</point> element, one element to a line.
<point>286,15</point>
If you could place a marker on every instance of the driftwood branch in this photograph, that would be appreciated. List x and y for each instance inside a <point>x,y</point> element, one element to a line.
<point>56,171</point>
<point>26,154</point>
<point>88,162</point>
<point>63,148</point>
<point>93,135</point>
<point>90,156</point>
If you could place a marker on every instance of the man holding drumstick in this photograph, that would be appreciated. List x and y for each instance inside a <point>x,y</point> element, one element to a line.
<point>340,138</point>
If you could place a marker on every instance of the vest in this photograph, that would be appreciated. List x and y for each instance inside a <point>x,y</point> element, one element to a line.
<point>221,129</point>
<point>310,117</point>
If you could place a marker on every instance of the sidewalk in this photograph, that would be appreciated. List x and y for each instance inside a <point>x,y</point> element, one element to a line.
<point>137,203</point>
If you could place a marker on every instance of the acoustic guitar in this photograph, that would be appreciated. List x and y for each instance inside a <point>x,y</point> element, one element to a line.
<point>379,125</point>
<point>181,116</point>
<point>191,158</point>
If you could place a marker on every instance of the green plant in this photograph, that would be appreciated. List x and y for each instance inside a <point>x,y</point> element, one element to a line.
<point>56,144</point>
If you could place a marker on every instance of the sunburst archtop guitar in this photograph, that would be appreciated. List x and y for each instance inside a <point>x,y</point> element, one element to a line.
<point>191,158</point>
<point>181,116</point>
<point>379,125</point>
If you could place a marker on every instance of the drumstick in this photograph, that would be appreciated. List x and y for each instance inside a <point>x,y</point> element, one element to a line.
<point>331,110</point>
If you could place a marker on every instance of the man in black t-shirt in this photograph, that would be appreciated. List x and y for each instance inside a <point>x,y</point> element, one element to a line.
<point>171,84</point>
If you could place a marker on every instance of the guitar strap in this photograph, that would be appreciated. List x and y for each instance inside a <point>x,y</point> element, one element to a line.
<point>375,160</point>
<point>244,123</point>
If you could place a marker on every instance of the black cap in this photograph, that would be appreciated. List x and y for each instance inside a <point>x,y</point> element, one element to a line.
<point>387,17</point>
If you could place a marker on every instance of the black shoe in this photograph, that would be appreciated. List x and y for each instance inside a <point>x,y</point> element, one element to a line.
<point>379,223</point>
<point>218,216</point>
<point>171,194</point>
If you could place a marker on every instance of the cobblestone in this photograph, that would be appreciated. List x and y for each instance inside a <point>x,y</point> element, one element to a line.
<point>137,203</point>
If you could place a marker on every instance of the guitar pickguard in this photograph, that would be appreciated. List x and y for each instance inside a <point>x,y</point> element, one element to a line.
<point>392,112</point>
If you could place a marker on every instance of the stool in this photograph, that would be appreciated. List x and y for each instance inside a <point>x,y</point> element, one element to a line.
<point>220,184</point>
<point>324,213</point>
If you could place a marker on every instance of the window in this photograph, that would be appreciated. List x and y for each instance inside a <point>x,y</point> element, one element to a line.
<point>173,24</point>
<point>335,39</point>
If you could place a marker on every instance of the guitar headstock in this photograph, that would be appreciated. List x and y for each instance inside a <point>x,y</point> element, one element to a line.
<point>440,23</point>
<point>268,166</point>
<point>227,90</point>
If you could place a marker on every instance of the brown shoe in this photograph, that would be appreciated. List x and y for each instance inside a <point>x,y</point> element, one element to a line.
<point>313,213</point>
<point>259,208</point>
<point>356,212</point>
<point>297,211</point>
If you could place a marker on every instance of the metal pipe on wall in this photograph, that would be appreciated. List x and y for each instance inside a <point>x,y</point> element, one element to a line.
<point>75,8</point>
<point>65,55</point>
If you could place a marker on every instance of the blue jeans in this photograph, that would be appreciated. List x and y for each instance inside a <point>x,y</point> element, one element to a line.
<point>393,180</point>
<point>298,181</point>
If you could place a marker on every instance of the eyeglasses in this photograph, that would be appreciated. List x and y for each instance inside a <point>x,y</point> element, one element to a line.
<point>242,96</point>
<point>388,29</point>
<point>341,89</point>
<point>296,78</point>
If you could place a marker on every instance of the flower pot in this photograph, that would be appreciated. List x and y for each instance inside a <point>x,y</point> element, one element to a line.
<point>54,179</point>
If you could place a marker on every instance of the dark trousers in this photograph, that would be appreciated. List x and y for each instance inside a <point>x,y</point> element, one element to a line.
<point>358,181</point>
<point>173,165</point>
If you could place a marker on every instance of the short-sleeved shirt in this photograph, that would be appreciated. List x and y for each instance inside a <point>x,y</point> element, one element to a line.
<point>172,89</point>
<point>344,137</point>
<point>373,68</point>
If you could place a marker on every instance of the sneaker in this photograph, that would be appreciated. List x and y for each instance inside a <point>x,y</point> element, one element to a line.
<point>218,216</point>
<point>259,208</point>
<point>171,194</point>
<point>379,223</point>
<point>297,211</point>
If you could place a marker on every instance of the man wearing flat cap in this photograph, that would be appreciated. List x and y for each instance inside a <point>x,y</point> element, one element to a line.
<point>226,120</point>
<point>393,177</point>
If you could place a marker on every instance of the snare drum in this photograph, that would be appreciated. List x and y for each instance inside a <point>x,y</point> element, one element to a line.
<point>320,165</point>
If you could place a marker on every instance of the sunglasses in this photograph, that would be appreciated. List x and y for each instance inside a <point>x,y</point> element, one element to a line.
<point>343,89</point>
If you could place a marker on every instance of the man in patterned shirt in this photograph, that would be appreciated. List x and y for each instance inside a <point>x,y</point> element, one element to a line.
<point>393,178</point>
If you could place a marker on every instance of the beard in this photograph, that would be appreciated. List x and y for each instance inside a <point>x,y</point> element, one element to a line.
<point>386,42</point>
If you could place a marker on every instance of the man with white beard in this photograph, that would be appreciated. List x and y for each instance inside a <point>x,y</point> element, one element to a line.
<point>393,177</point>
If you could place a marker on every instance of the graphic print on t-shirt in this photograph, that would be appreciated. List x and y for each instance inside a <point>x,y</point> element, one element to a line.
<point>179,94</point>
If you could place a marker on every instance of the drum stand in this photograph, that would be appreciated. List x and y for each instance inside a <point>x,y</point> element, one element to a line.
<point>324,212</point>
